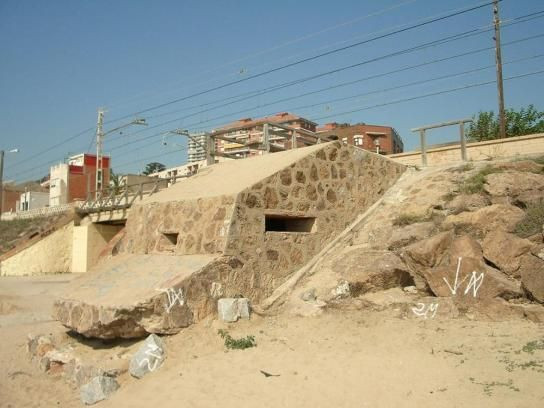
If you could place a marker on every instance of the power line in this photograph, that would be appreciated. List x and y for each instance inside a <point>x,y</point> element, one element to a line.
<point>430,94</point>
<point>379,105</point>
<point>456,13</point>
<point>405,51</point>
<point>308,59</point>
<point>290,42</point>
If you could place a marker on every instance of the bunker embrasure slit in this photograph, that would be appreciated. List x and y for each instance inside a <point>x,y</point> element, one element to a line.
<point>288,223</point>
<point>172,237</point>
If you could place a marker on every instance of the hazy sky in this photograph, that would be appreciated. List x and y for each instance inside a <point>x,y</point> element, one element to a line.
<point>61,60</point>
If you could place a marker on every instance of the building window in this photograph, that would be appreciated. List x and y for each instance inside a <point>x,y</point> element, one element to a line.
<point>358,140</point>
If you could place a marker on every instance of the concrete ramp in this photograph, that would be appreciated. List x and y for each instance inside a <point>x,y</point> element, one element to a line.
<point>237,228</point>
<point>131,295</point>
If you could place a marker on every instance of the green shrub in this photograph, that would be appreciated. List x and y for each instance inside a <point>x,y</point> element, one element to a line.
<point>407,219</point>
<point>532,223</point>
<point>475,183</point>
<point>237,344</point>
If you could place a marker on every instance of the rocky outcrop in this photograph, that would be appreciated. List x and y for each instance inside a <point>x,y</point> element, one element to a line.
<point>370,271</point>
<point>505,250</point>
<point>532,276</point>
<point>487,219</point>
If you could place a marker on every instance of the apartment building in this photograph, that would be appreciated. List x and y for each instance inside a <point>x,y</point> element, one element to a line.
<point>75,179</point>
<point>247,135</point>
<point>197,147</point>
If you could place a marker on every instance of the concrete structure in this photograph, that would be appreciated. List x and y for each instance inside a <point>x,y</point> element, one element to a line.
<point>88,241</point>
<point>31,200</point>
<point>197,147</point>
<point>75,180</point>
<point>236,228</point>
<point>52,254</point>
<point>382,139</point>
<point>490,149</point>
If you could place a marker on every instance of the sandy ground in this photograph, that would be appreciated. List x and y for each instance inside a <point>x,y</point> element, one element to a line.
<point>351,358</point>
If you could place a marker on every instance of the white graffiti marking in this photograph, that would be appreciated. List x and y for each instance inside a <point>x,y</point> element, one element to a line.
<point>423,310</point>
<point>475,283</point>
<point>150,352</point>
<point>456,284</point>
<point>173,298</point>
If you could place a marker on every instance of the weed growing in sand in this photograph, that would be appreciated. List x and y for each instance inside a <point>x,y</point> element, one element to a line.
<point>531,346</point>
<point>488,387</point>
<point>532,223</point>
<point>475,183</point>
<point>237,344</point>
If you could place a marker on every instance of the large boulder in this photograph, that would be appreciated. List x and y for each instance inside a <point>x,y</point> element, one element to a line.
<point>504,250</point>
<point>371,271</point>
<point>532,276</point>
<point>524,187</point>
<point>496,216</point>
<point>429,252</point>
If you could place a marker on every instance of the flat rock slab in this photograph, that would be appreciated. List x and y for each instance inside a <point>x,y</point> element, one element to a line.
<point>131,295</point>
<point>232,309</point>
<point>148,358</point>
<point>98,389</point>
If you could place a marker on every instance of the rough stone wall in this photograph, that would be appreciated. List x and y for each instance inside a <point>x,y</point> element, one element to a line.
<point>201,225</point>
<point>52,254</point>
<point>334,185</point>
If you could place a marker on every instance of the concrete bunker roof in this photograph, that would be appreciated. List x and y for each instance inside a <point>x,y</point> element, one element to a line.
<point>231,177</point>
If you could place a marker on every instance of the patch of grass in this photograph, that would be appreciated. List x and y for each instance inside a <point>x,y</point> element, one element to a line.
<point>237,344</point>
<point>532,223</point>
<point>10,231</point>
<point>408,219</point>
<point>539,160</point>
<point>475,183</point>
<point>531,346</point>
<point>465,167</point>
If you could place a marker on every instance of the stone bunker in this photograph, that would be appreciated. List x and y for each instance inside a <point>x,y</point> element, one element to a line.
<point>236,228</point>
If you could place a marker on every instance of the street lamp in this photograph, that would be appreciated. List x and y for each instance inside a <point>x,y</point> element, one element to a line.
<point>1,178</point>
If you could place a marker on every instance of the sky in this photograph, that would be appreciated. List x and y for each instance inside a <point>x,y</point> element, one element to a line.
<point>163,60</point>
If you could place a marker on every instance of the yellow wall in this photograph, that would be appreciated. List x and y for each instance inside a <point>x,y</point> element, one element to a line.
<point>88,241</point>
<point>494,149</point>
<point>52,254</point>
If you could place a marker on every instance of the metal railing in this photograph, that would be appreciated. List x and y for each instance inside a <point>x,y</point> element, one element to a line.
<point>124,196</point>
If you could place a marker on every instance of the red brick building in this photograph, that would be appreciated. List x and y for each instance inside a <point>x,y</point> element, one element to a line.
<point>382,139</point>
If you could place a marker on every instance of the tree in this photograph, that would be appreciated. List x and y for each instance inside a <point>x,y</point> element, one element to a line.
<point>115,182</point>
<point>153,167</point>
<point>486,124</point>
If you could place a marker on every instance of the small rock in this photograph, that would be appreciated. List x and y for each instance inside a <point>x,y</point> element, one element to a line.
<point>44,363</point>
<point>309,295</point>
<point>232,309</point>
<point>411,289</point>
<point>342,290</point>
<point>148,358</point>
<point>98,389</point>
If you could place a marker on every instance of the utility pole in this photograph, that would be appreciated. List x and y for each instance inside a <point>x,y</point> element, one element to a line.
<point>1,182</point>
<point>2,178</point>
<point>498,61</point>
<point>99,142</point>
<point>100,134</point>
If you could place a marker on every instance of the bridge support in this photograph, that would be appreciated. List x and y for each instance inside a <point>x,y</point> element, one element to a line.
<point>87,243</point>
